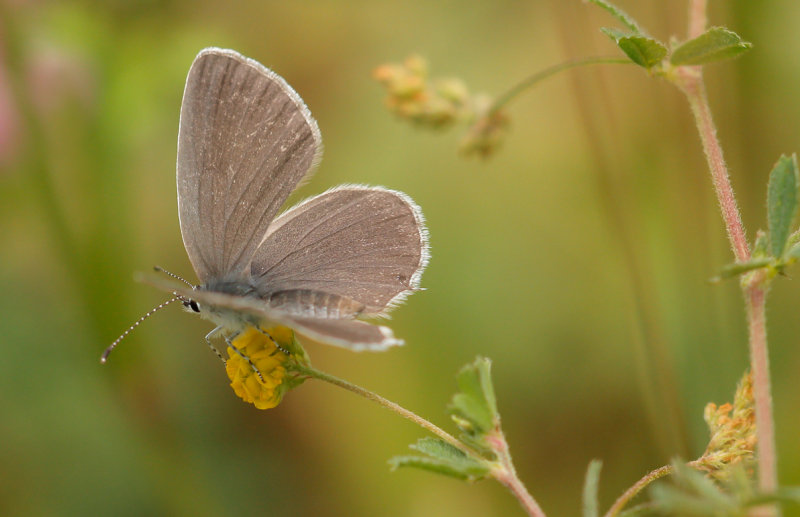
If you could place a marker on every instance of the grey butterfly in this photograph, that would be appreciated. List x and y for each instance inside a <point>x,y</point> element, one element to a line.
<point>246,141</point>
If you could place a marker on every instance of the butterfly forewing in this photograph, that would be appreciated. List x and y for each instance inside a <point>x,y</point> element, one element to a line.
<point>348,333</point>
<point>246,140</point>
<point>367,244</point>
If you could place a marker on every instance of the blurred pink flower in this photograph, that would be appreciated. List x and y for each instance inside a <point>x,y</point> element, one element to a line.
<point>9,118</point>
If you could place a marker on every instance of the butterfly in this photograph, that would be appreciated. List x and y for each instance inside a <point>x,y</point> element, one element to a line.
<point>246,140</point>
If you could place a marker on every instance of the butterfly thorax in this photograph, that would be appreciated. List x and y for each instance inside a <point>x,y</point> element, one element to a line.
<point>229,317</point>
<point>232,287</point>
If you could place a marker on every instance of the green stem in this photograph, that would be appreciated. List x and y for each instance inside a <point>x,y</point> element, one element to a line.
<point>502,470</point>
<point>531,80</point>
<point>388,404</point>
<point>637,487</point>
<point>640,485</point>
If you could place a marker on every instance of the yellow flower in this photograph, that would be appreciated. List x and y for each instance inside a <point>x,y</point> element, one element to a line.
<point>267,390</point>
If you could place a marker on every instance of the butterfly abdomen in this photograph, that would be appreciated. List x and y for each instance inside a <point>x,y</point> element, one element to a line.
<point>314,304</point>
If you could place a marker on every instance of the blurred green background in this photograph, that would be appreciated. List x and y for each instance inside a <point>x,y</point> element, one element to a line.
<point>576,258</point>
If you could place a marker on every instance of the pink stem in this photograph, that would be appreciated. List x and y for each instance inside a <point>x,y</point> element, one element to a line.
<point>690,80</point>
<point>506,474</point>
<point>762,395</point>
<point>697,18</point>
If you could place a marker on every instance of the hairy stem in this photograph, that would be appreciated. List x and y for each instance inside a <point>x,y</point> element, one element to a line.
<point>756,295</point>
<point>637,487</point>
<point>697,18</point>
<point>388,404</point>
<point>505,473</point>
<point>502,470</point>
<point>690,81</point>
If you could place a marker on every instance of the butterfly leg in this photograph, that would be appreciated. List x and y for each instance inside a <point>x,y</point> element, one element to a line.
<point>211,345</point>
<point>229,341</point>
<point>279,347</point>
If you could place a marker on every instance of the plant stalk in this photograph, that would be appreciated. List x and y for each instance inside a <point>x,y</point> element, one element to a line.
<point>505,473</point>
<point>690,81</point>
<point>503,470</point>
<point>539,76</point>
<point>637,487</point>
<point>388,404</point>
<point>755,295</point>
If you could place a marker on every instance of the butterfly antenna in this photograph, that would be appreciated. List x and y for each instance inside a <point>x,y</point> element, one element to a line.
<point>173,275</point>
<point>138,322</point>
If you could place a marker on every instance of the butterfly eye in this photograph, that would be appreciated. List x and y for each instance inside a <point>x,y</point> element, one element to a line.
<point>191,304</point>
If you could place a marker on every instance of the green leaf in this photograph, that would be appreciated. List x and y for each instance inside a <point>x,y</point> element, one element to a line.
<point>474,409</point>
<point>716,44</point>
<point>760,244</point>
<point>591,506</point>
<point>440,449</point>
<point>793,240</point>
<point>638,510</point>
<point>619,14</point>
<point>442,458</point>
<point>781,202</point>
<point>642,50</point>
<point>431,465</point>
<point>738,268</point>
<point>794,252</point>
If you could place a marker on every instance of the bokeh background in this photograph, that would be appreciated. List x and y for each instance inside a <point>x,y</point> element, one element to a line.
<point>577,258</point>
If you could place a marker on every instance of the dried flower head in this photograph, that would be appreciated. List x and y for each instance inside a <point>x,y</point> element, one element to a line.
<point>487,132</point>
<point>413,96</point>
<point>733,431</point>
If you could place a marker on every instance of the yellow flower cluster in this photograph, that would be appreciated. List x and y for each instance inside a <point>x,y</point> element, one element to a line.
<point>411,95</point>
<point>733,431</point>
<point>270,361</point>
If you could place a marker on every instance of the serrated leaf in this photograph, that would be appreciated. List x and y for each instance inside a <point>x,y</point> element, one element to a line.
<point>468,471</point>
<point>437,448</point>
<point>642,50</point>
<point>474,416</point>
<point>738,268</point>
<point>716,44</point>
<point>619,14</point>
<point>781,202</point>
<point>474,409</point>
<point>591,506</point>
<point>442,458</point>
